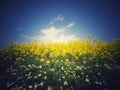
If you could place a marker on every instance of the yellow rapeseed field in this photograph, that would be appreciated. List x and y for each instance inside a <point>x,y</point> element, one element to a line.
<point>71,65</point>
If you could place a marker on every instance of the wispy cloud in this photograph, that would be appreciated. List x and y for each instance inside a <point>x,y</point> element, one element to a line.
<point>23,35</point>
<point>27,37</point>
<point>70,25</point>
<point>58,18</point>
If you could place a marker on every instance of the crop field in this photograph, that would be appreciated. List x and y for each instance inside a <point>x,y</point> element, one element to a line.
<point>72,65</point>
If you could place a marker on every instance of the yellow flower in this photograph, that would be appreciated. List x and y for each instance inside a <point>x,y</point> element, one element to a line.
<point>47,62</point>
<point>49,88</point>
<point>90,58</point>
<point>42,60</point>
<point>76,57</point>
<point>18,59</point>
<point>64,53</point>
<point>66,61</point>
<point>84,62</point>
<point>22,51</point>
<point>51,55</point>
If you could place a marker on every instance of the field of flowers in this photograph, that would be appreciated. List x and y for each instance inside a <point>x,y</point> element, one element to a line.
<point>74,65</point>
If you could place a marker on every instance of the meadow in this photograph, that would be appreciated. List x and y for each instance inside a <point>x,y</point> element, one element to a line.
<point>73,65</point>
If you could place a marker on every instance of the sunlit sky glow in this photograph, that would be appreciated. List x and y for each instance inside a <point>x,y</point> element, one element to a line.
<point>58,20</point>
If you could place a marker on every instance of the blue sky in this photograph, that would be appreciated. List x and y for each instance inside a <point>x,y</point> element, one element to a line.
<point>41,20</point>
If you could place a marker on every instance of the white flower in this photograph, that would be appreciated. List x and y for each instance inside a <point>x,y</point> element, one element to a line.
<point>97,82</point>
<point>29,77</point>
<point>59,79</point>
<point>87,80</point>
<point>30,86</point>
<point>44,72</point>
<point>79,68</point>
<point>39,75</point>
<point>63,77</point>
<point>65,83</point>
<point>35,86</point>
<point>52,70</point>
<point>40,67</point>
<point>42,83</point>
<point>29,65</point>
<point>45,78</point>
<point>62,68</point>
<point>35,77</point>
<point>29,73</point>
<point>66,73</point>
<point>87,76</point>
<point>99,73</point>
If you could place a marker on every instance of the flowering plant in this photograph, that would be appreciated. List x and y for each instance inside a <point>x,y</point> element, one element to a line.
<point>75,65</point>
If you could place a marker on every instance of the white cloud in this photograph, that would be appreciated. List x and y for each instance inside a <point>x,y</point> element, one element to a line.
<point>70,25</point>
<point>51,34</point>
<point>58,18</point>
<point>65,38</point>
<point>51,30</point>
